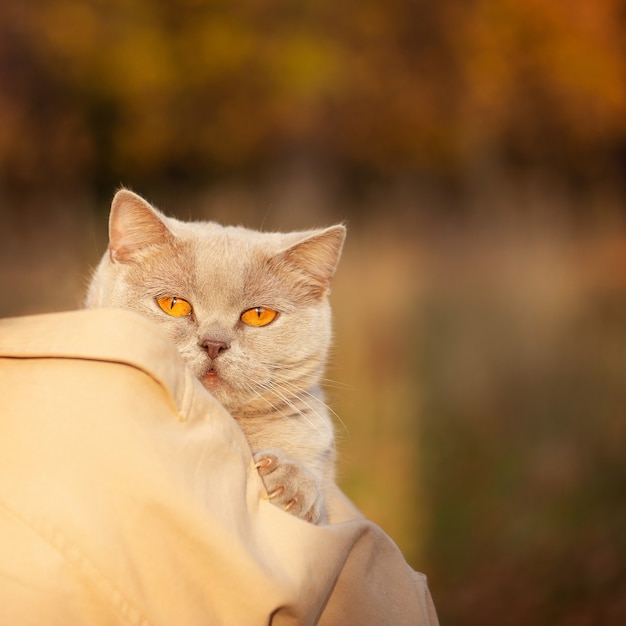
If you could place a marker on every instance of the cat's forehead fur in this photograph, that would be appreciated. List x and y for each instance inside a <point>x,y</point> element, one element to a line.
<point>234,235</point>
<point>231,246</point>
<point>228,262</point>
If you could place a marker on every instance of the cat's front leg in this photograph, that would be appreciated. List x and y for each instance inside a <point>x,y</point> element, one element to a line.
<point>290,485</point>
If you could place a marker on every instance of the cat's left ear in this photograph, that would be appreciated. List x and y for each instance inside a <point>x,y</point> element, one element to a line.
<point>317,256</point>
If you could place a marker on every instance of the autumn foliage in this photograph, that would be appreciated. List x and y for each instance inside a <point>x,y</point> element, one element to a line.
<point>94,92</point>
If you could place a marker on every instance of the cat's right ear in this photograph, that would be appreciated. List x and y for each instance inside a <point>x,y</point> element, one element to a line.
<point>134,225</point>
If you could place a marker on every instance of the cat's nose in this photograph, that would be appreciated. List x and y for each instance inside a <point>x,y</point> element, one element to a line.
<point>214,347</point>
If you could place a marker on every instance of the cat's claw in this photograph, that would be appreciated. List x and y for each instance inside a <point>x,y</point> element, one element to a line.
<point>277,492</point>
<point>290,485</point>
<point>265,462</point>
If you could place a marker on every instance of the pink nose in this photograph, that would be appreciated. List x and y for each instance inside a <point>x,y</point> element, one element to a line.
<point>214,348</point>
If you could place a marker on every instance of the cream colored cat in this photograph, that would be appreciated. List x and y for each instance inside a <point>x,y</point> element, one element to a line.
<point>249,314</point>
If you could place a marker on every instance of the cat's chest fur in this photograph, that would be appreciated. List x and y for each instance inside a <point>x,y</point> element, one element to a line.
<point>248,312</point>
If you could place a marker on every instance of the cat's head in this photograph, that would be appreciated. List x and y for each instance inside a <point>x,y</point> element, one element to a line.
<point>247,310</point>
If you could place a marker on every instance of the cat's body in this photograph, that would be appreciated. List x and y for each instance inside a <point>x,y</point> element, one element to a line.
<point>248,312</point>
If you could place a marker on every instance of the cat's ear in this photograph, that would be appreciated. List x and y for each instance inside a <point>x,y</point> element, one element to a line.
<point>134,225</point>
<point>317,255</point>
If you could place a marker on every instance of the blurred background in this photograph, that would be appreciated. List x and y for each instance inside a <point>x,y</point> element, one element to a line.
<point>477,152</point>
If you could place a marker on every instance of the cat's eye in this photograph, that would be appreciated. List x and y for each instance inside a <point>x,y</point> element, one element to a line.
<point>259,316</point>
<point>176,307</point>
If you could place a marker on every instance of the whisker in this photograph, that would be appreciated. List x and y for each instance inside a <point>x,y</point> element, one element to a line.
<point>287,400</point>
<point>289,387</point>
<point>327,407</point>
<point>334,384</point>
<point>316,400</point>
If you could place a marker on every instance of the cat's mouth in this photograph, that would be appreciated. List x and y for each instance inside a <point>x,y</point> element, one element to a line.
<point>211,379</point>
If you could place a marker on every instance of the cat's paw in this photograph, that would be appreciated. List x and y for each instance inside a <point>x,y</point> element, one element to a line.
<point>290,485</point>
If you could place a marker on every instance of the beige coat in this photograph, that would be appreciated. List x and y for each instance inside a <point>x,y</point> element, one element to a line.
<point>128,496</point>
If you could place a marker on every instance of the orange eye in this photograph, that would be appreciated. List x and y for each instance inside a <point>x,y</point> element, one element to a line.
<point>259,316</point>
<point>176,307</point>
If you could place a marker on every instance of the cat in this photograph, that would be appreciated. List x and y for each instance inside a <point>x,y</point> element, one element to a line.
<point>249,314</point>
